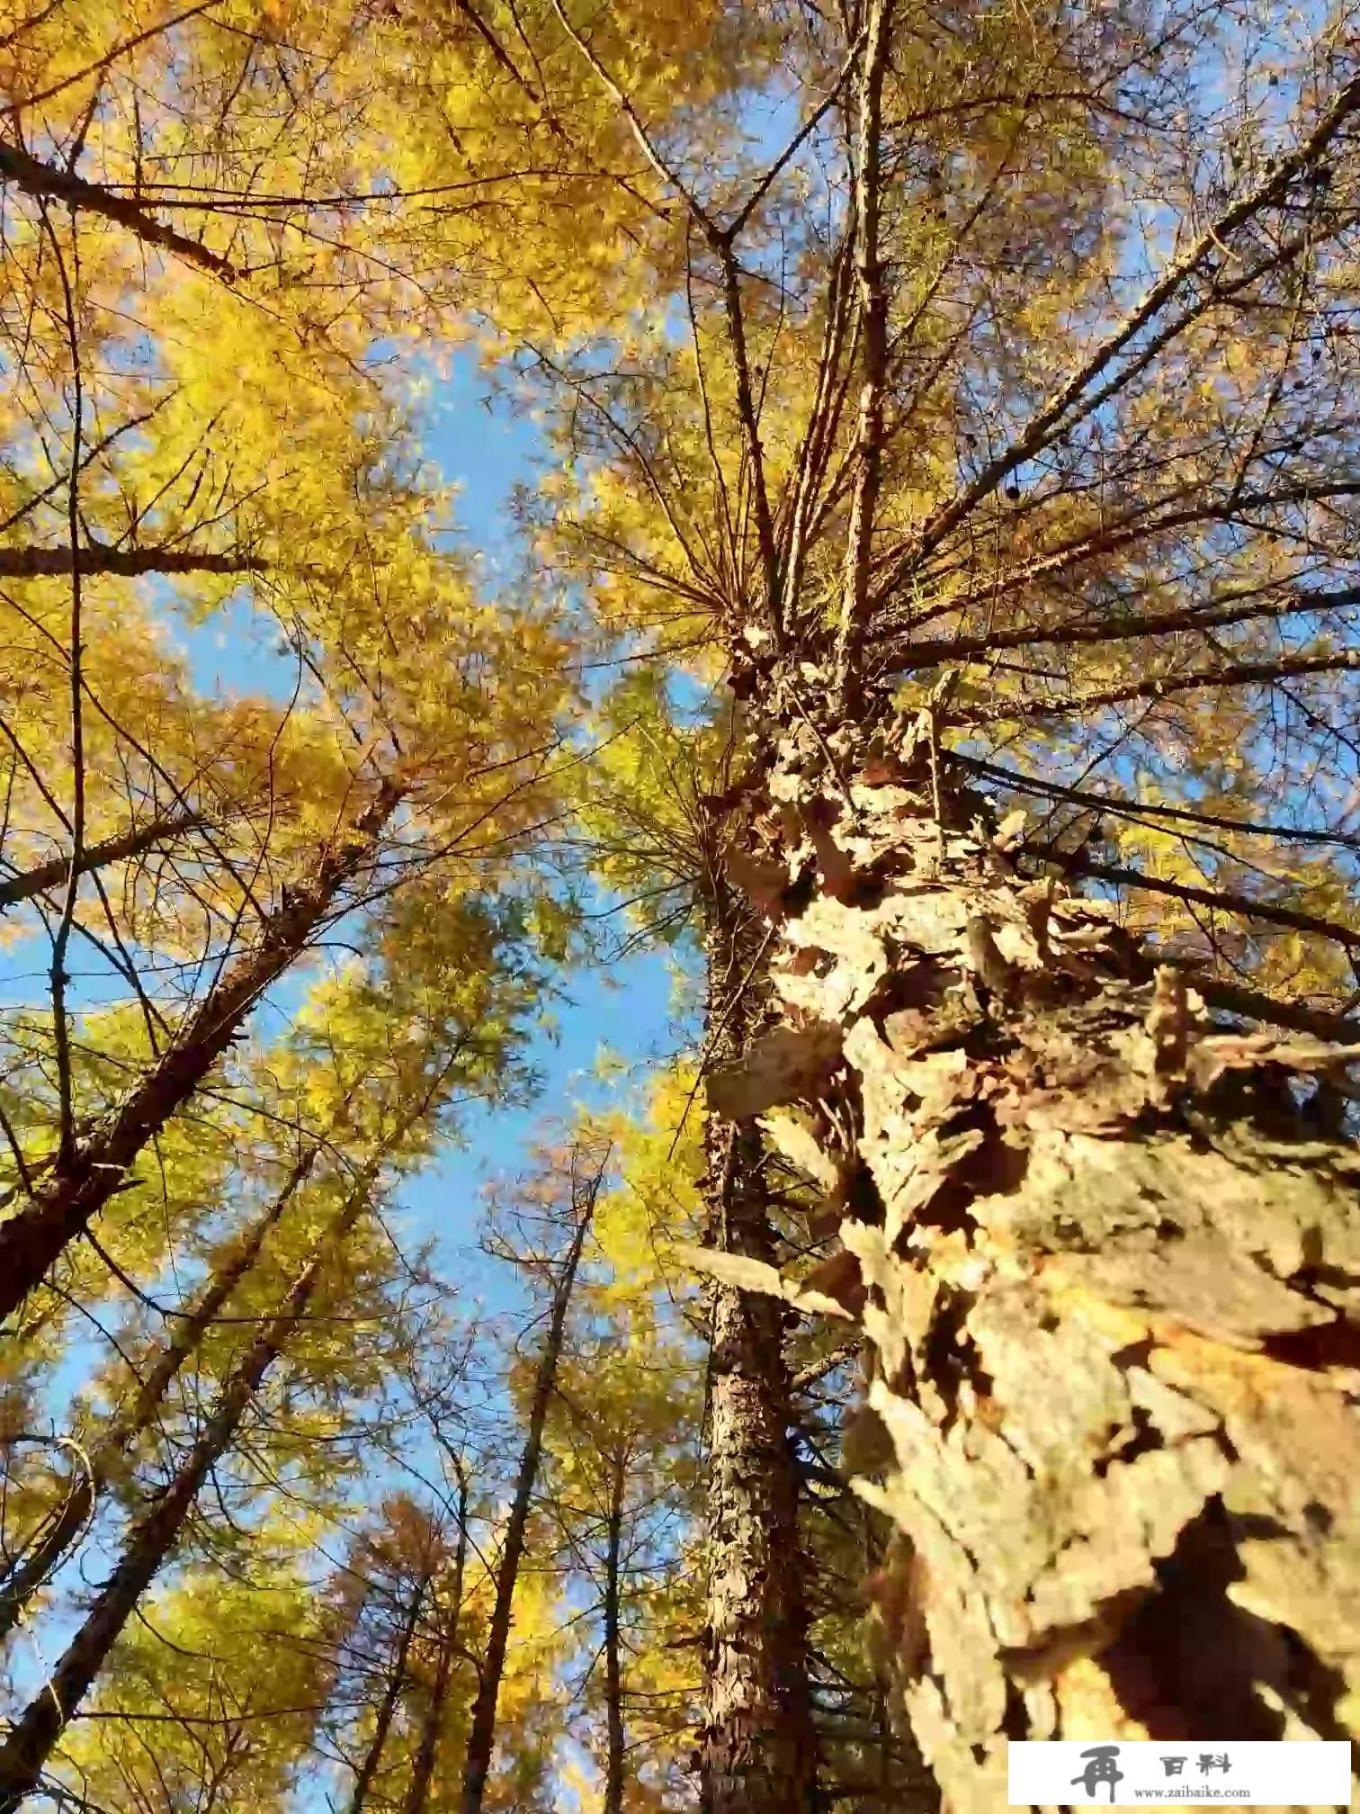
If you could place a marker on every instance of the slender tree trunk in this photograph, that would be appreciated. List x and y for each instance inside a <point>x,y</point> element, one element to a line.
<point>758,1748</point>
<point>387,1708</point>
<point>482,1737</point>
<point>152,1539</point>
<point>64,1199</point>
<point>1110,1252</point>
<point>873,324</point>
<point>96,856</point>
<point>422,1774</point>
<point>32,1570</point>
<point>613,1649</point>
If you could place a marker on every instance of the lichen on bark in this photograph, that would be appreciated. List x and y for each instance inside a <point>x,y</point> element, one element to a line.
<point>1108,1276</point>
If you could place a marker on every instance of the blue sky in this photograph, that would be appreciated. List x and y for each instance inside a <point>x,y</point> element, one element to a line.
<point>484,446</point>
<point>627,1010</point>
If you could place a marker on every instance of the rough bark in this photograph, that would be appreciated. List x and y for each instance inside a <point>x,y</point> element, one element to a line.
<point>613,1646</point>
<point>482,1734</point>
<point>65,1197</point>
<point>122,563</point>
<point>431,1725</point>
<point>1107,1260</point>
<point>396,1684</point>
<point>757,1749</point>
<point>40,1560</point>
<point>118,849</point>
<point>873,329</point>
<point>152,1539</point>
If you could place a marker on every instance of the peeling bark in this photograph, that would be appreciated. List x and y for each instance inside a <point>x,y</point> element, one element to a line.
<point>1109,1273</point>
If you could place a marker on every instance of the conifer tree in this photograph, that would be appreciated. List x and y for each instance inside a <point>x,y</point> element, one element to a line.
<point>581,1181</point>
<point>950,450</point>
<point>1005,476</point>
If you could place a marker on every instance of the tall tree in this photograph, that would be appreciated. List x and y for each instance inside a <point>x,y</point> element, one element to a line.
<point>403,1588</point>
<point>647,827</point>
<point>448,1646</point>
<point>376,1093</point>
<point>1063,424</point>
<point>758,1749</point>
<point>24,1754</point>
<point>43,1553</point>
<point>397,1684</point>
<point>583,1178</point>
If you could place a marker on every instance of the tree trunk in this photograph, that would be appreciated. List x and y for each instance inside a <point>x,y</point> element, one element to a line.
<point>65,1198</point>
<point>422,1774</point>
<point>613,1657</point>
<point>30,1572</point>
<point>127,844</point>
<point>757,1747</point>
<point>396,1682</point>
<point>123,563</point>
<point>152,1539</point>
<point>873,333</point>
<point>1110,1255</point>
<point>482,1737</point>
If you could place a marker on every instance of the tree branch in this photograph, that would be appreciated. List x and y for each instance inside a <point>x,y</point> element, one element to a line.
<point>45,183</point>
<point>1205,246</point>
<point>96,856</point>
<point>1233,674</point>
<point>1223,900</point>
<point>1093,631</point>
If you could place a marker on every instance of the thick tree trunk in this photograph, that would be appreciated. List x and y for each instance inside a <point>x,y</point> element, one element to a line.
<point>97,856</point>
<point>38,1563</point>
<point>482,1736</point>
<point>152,1539</point>
<point>1108,1259</point>
<point>613,1645</point>
<point>757,1748</point>
<point>66,1196</point>
<point>396,1683</point>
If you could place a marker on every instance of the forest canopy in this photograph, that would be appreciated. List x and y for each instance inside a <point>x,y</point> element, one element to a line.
<point>679,810</point>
